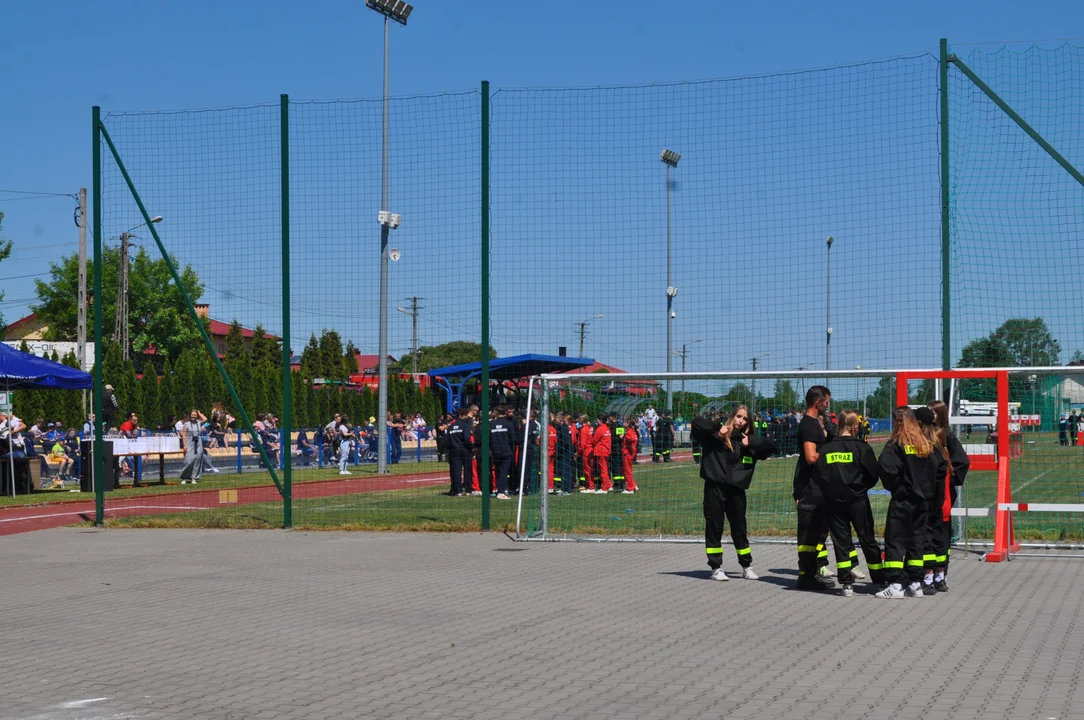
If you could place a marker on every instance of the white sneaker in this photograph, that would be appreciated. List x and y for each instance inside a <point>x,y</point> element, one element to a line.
<point>748,574</point>
<point>184,482</point>
<point>858,574</point>
<point>889,593</point>
<point>344,472</point>
<point>824,572</point>
<point>215,470</point>
<point>914,592</point>
<point>477,493</point>
<point>718,574</point>
<point>628,492</point>
<point>586,490</point>
<point>502,496</point>
<point>195,481</point>
<point>847,591</point>
<point>601,492</point>
<point>551,491</point>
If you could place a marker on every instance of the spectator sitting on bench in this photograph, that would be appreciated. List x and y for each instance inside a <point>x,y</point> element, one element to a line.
<point>59,456</point>
<point>304,448</point>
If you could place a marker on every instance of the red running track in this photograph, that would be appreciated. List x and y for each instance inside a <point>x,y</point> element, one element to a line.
<point>49,515</point>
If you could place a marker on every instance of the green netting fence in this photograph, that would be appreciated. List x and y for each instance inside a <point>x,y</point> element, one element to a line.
<point>721,261</point>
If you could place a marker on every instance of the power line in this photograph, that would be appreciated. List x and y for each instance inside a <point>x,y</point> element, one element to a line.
<point>20,277</point>
<point>38,192</point>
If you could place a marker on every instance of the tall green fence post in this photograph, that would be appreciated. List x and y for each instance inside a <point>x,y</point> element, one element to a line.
<point>483,466</point>
<point>99,446</point>
<point>287,409</point>
<point>946,296</point>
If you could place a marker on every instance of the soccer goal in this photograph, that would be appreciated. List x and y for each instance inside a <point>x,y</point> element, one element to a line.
<point>1006,419</point>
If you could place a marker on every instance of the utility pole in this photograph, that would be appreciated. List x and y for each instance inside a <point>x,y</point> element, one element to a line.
<point>120,330</point>
<point>81,326</point>
<point>413,312</point>
<point>583,330</point>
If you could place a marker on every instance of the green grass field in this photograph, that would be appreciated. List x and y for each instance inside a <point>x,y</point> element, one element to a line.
<point>669,504</point>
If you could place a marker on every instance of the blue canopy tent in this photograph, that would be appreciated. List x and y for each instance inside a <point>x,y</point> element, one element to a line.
<point>22,371</point>
<point>452,379</point>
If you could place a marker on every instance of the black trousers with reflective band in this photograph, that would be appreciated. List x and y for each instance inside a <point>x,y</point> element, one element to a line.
<point>842,517</point>
<point>812,530</point>
<point>905,539</point>
<point>722,502</point>
<point>938,532</point>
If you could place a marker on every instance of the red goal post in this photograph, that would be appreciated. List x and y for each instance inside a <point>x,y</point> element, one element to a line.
<point>1004,542</point>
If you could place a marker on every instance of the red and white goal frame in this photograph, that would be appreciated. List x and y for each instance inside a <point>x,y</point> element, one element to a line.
<point>1004,542</point>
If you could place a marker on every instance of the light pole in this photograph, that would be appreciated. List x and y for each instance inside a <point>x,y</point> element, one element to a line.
<point>120,330</point>
<point>413,313</point>
<point>684,353</point>
<point>800,368</point>
<point>583,330</point>
<point>828,309</point>
<point>670,159</point>
<point>398,11</point>
<point>756,362</point>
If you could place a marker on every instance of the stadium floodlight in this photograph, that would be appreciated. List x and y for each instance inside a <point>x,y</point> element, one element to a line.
<point>396,10</point>
<point>670,160</point>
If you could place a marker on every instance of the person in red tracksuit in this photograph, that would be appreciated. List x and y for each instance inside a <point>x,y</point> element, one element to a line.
<point>551,451</point>
<point>602,448</point>
<point>476,488</point>
<point>584,445</point>
<point>629,445</point>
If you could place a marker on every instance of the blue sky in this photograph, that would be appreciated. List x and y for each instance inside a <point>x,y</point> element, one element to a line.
<point>60,60</point>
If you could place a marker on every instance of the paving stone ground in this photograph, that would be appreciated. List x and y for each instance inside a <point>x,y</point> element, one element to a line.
<point>226,624</point>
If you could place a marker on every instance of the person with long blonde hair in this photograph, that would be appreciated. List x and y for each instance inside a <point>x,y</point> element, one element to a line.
<point>730,451</point>
<point>908,467</point>
<point>847,467</point>
<point>940,518</point>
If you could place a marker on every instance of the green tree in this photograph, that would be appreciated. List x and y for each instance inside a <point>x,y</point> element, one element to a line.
<point>166,393</point>
<point>70,404</point>
<point>331,353</point>
<point>157,315</point>
<point>265,349</point>
<point>298,409</point>
<point>1018,342</point>
<point>112,365</point>
<point>311,360</point>
<point>786,397</point>
<point>350,360</point>
<point>5,252</point>
<point>740,392</point>
<point>272,384</point>
<point>27,404</point>
<point>883,400</point>
<point>459,352</point>
<point>149,397</point>
<point>128,393</point>
<point>235,344</point>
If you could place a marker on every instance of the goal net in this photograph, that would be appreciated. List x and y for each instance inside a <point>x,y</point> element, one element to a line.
<point>656,494</point>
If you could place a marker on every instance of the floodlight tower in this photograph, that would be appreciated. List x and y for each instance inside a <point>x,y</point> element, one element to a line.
<point>670,160</point>
<point>398,11</point>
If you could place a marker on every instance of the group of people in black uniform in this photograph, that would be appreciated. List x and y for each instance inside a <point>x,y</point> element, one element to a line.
<point>922,465</point>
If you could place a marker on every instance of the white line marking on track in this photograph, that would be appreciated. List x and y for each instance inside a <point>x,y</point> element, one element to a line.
<point>107,510</point>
